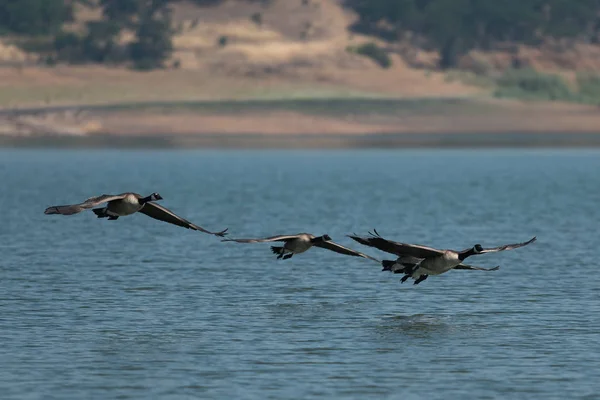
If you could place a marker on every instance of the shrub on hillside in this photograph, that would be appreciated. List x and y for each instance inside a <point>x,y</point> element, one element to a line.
<point>222,41</point>
<point>534,85</point>
<point>68,47</point>
<point>589,87</point>
<point>153,44</point>
<point>256,18</point>
<point>374,52</point>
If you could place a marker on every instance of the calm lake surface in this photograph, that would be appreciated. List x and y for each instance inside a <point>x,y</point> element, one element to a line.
<point>136,308</point>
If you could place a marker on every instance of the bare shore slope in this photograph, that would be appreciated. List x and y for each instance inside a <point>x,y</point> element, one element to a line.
<point>330,123</point>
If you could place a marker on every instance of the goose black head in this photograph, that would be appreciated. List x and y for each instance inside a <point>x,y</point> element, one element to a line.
<point>155,197</point>
<point>320,239</point>
<point>477,249</point>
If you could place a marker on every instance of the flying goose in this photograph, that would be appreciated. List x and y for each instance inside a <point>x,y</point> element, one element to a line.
<point>124,204</point>
<point>419,262</point>
<point>299,243</point>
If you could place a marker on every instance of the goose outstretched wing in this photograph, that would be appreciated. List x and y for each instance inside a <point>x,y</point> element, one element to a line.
<point>278,238</point>
<point>473,268</point>
<point>86,205</point>
<point>161,213</point>
<point>397,248</point>
<point>507,246</point>
<point>338,248</point>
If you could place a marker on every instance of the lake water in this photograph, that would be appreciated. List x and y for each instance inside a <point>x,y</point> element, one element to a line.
<point>139,309</point>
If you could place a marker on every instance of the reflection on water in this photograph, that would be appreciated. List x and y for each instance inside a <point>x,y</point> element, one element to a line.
<point>414,326</point>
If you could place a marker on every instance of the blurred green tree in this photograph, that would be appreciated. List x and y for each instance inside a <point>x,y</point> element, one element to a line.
<point>34,17</point>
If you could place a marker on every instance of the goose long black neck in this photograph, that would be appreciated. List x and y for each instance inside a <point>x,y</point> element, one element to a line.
<point>144,200</point>
<point>467,253</point>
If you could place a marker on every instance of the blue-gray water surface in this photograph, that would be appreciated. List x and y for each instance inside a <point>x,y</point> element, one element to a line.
<point>139,309</point>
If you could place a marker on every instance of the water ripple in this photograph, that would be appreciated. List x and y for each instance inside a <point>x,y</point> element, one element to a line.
<point>139,309</point>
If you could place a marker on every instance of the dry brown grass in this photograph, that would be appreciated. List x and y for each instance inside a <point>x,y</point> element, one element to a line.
<point>64,85</point>
<point>12,55</point>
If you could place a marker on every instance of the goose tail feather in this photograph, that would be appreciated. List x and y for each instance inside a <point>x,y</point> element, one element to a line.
<point>388,265</point>
<point>100,212</point>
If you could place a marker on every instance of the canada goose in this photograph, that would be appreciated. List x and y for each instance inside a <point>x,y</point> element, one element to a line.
<point>299,243</point>
<point>419,262</point>
<point>124,204</point>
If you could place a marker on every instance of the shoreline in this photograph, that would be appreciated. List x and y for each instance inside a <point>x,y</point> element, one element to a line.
<point>305,123</point>
<point>327,142</point>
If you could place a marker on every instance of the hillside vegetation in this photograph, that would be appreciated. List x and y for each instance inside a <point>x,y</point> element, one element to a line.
<point>455,27</point>
<point>531,49</point>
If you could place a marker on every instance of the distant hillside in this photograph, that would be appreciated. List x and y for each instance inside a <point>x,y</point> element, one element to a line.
<point>249,48</point>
